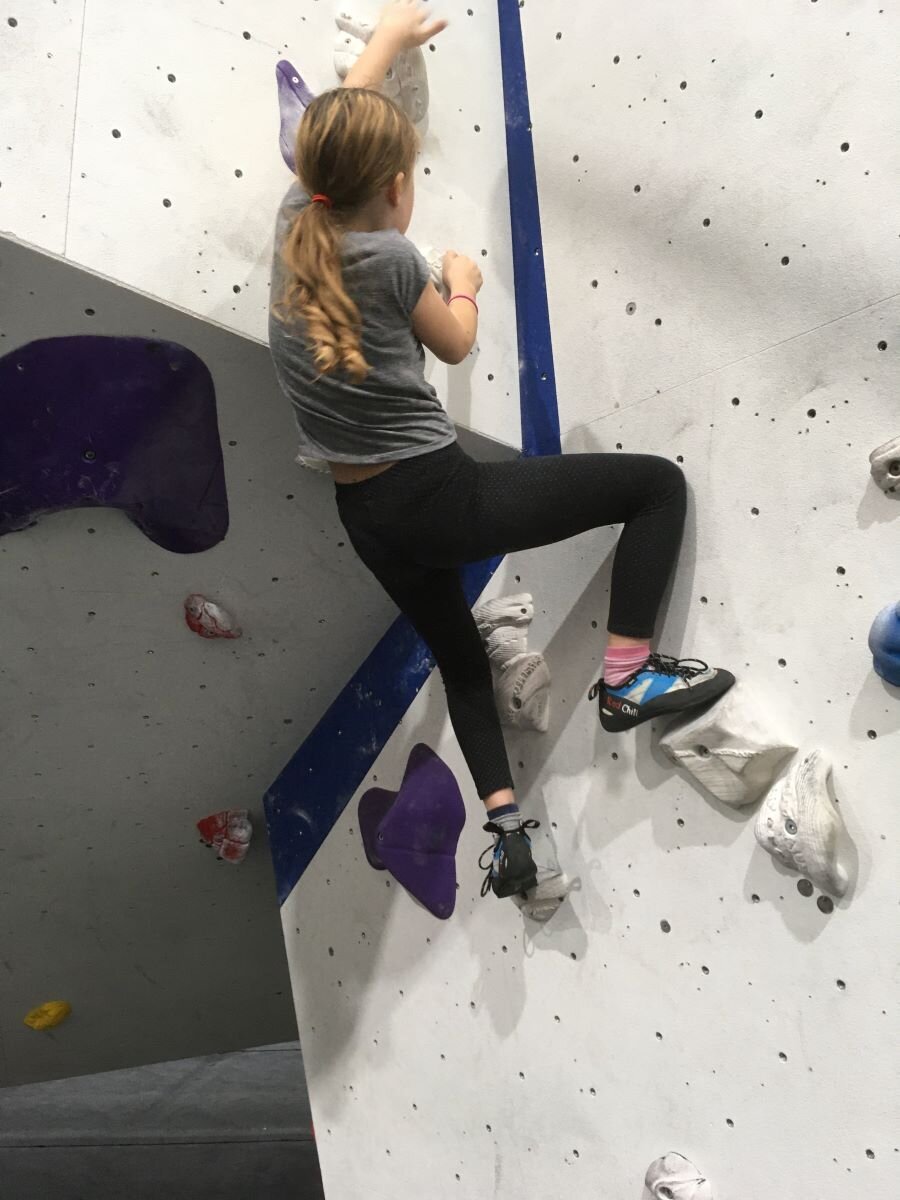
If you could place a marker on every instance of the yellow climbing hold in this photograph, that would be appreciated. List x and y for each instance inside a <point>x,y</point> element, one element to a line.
<point>49,1015</point>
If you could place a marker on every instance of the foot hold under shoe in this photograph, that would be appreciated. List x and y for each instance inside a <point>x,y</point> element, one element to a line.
<point>511,870</point>
<point>542,901</point>
<point>661,687</point>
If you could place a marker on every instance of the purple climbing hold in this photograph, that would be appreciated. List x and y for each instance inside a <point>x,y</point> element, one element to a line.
<point>294,97</point>
<point>373,807</point>
<point>118,422</point>
<point>413,833</point>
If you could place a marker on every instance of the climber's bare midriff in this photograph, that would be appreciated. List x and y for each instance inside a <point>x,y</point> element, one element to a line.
<point>357,472</point>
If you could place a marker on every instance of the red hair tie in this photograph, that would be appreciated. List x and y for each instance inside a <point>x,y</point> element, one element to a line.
<point>318,198</point>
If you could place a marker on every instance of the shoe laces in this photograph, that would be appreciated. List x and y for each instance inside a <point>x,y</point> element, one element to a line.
<point>501,833</point>
<point>664,664</point>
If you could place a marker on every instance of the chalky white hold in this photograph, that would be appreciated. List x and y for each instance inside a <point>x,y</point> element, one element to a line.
<point>313,464</point>
<point>800,825</point>
<point>521,677</point>
<point>406,82</point>
<point>503,624</point>
<point>732,749</point>
<point>674,1177</point>
<point>435,261</point>
<point>522,692</point>
<point>885,466</point>
<point>553,886</point>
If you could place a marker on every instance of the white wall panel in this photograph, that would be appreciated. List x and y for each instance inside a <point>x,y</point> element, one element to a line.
<point>181,204</point>
<point>772,188</point>
<point>40,54</point>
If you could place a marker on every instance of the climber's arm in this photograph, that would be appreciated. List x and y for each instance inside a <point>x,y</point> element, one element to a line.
<point>403,25</point>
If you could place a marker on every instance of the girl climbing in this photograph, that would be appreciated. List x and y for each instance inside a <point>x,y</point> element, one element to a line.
<point>353,306</point>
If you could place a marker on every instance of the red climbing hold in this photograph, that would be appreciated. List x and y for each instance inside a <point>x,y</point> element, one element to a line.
<point>209,619</point>
<point>228,832</point>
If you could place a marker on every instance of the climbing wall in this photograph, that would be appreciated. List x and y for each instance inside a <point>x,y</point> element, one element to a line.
<point>721,252</point>
<point>139,177</point>
<point>719,246</point>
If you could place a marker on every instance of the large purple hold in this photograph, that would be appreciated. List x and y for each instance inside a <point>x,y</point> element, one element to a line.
<point>294,97</point>
<point>373,808</point>
<point>414,832</point>
<point>119,422</point>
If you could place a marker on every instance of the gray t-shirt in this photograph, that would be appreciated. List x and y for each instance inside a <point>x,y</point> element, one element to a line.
<point>394,413</point>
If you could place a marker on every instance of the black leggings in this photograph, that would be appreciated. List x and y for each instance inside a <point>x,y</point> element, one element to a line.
<point>415,524</point>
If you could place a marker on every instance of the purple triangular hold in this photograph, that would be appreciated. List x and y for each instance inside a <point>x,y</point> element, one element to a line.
<point>373,806</point>
<point>418,835</point>
<point>122,422</point>
<point>294,97</point>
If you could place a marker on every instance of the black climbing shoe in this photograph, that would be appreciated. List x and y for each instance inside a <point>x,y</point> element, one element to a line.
<point>661,687</point>
<point>511,870</point>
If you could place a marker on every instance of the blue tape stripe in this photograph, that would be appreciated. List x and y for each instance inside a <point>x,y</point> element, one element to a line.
<point>306,800</point>
<point>537,379</point>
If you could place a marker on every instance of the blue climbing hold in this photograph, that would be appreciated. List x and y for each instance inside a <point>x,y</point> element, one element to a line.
<point>884,642</point>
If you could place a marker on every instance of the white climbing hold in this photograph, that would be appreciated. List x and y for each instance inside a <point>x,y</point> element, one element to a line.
<point>406,81</point>
<point>542,902</point>
<point>435,261</point>
<point>730,748</point>
<point>503,623</point>
<point>885,466</point>
<point>521,677</point>
<point>320,466</point>
<point>674,1177</point>
<point>800,824</point>
<point>522,692</point>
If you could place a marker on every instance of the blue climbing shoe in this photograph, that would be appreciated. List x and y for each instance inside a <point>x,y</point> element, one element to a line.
<point>511,870</point>
<point>661,687</point>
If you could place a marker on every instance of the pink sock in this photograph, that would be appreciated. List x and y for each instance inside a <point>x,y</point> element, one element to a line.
<point>621,661</point>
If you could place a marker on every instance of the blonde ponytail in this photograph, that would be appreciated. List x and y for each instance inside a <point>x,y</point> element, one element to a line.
<point>352,143</point>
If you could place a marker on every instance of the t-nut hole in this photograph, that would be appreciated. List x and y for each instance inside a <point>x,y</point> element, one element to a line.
<point>894,467</point>
<point>703,751</point>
